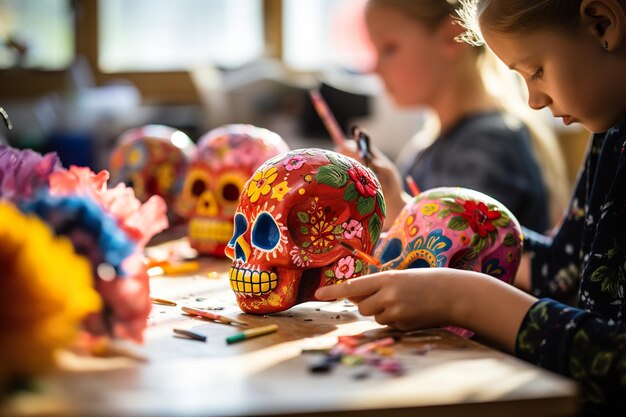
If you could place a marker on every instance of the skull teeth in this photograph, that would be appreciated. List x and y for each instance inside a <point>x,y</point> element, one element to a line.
<point>213,230</point>
<point>246,281</point>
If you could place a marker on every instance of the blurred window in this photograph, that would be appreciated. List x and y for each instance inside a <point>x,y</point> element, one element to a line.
<point>326,34</point>
<point>36,34</point>
<point>166,35</point>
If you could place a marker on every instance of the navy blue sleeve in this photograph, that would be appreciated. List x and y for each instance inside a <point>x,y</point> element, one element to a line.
<point>581,345</point>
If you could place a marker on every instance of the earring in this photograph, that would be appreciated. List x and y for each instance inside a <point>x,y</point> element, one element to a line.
<point>605,45</point>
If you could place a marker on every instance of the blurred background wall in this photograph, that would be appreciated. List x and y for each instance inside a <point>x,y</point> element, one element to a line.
<point>75,74</point>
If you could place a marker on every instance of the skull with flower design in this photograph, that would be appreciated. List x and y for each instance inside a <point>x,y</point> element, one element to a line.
<point>457,228</point>
<point>153,160</point>
<point>224,160</point>
<point>292,215</point>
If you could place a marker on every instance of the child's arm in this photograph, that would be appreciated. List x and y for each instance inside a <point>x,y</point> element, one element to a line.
<point>422,298</point>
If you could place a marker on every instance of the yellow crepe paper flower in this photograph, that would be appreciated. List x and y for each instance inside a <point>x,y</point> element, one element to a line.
<point>46,290</point>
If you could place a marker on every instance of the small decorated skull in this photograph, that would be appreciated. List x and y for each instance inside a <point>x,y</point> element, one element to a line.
<point>292,216</point>
<point>224,160</point>
<point>153,160</point>
<point>457,228</point>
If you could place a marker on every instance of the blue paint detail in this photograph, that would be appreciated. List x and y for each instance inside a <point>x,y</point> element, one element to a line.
<point>265,232</point>
<point>241,225</point>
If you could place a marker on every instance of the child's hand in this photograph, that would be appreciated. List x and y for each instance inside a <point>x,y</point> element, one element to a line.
<point>423,298</point>
<point>405,299</point>
<point>387,175</point>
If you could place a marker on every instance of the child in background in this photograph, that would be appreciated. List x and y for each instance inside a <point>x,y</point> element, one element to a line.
<point>481,140</point>
<point>572,56</point>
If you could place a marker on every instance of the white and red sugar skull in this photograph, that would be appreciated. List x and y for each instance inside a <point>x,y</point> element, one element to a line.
<point>457,228</point>
<point>292,216</point>
<point>224,160</point>
<point>153,160</point>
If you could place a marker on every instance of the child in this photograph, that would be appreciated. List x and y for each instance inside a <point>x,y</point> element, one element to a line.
<point>481,141</point>
<point>572,55</point>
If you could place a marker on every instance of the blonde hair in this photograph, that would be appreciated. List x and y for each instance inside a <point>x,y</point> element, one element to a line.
<point>506,90</point>
<point>517,16</point>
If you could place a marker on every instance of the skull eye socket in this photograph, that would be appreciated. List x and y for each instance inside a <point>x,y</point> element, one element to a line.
<point>230,192</point>
<point>392,250</point>
<point>228,189</point>
<point>198,187</point>
<point>265,232</point>
<point>241,225</point>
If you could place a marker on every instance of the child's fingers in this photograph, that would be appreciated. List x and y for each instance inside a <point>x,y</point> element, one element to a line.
<point>352,288</point>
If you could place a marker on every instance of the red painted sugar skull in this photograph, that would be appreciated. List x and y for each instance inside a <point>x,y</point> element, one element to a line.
<point>153,160</point>
<point>224,160</point>
<point>292,215</point>
<point>457,228</point>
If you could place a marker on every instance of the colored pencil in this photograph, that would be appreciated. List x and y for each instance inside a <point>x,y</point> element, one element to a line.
<point>190,334</point>
<point>162,301</point>
<point>412,185</point>
<point>359,253</point>
<point>322,109</point>
<point>212,316</point>
<point>250,333</point>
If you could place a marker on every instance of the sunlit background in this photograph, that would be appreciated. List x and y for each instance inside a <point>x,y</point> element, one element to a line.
<point>74,74</point>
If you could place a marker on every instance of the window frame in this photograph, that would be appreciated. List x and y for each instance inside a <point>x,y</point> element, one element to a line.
<point>170,87</point>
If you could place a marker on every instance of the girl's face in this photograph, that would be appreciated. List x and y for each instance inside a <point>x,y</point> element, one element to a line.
<point>408,59</point>
<point>570,74</point>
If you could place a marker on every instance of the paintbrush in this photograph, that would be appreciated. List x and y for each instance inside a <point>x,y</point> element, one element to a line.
<point>359,253</point>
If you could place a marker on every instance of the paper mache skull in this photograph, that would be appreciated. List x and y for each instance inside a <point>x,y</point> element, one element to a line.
<point>225,158</point>
<point>292,216</point>
<point>153,160</point>
<point>457,228</point>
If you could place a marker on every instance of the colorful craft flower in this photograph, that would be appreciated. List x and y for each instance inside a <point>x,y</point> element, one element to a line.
<point>365,182</point>
<point>23,172</point>
<point>127,299</point>
<point>480,217</point>
<point>46,290</point>
<point>140,221</point>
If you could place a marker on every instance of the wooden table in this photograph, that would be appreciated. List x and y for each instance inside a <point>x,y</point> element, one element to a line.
<point>269,375</point>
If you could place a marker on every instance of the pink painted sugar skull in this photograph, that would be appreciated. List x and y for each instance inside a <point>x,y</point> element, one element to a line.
<point>457,228</point>
<point>224,160</point>
<point>153,160</point>
<point>292,216</point>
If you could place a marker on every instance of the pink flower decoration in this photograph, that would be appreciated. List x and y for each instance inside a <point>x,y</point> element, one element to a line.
<point>345,268</point>
<point>352,228</point>
<point>294,163</point>
<point>140,221</point>
<point>128,299</point>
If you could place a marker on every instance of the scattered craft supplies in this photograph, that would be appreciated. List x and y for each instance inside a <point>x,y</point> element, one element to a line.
<point>357,350</point>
